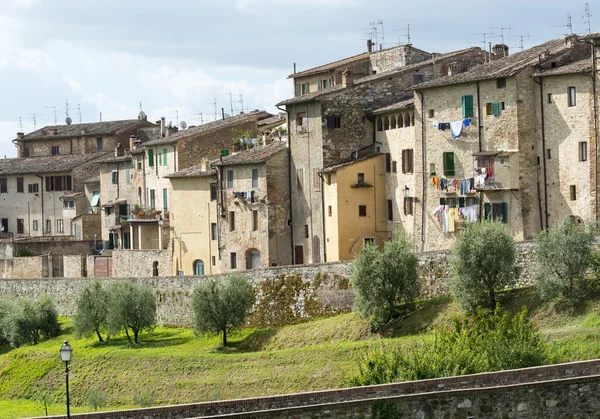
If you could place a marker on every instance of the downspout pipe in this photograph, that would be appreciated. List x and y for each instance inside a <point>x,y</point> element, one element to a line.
<point>594,72</point>
<point>540,81</point>
<point>290,184</point>
<point>424,165</point>
<point>43,220</point>
<point>480,140</point>
<point>15,142</point>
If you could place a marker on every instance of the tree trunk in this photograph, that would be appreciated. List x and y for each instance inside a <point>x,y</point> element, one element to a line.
<point>127,333</point>
<point>135,335</point>
<point>99,336</point>
<point>492,298</point>
<point>224,337</point>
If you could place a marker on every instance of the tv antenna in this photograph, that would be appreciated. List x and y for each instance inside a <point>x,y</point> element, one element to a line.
<point>54,110</point>
<point>21,124</point>
<point>198,117</point>
<point>177,116</point>
<point>34,119</point>
<point>510,28</point>
<point>521,37</point>
<point>231,103</point>
<point>486,37</point>
<point>241,101</point>
<point>79,112</point>
<point>569,24</point>
<point>214,103</point>
<point>67,107</point>
<point>587,15</point>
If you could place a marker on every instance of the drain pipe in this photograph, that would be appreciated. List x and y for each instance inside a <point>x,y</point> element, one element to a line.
<point>593,76</point>
<point>424,165</point>
<point>540,81</point>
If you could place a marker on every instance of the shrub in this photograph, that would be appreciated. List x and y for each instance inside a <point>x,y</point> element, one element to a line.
<point>92,310</point>
<point>26,252</point>
<point>384,279</point>
<point>475,343</point>
<point>130,307</point>
<point>483,262</point>
<point>564,254</point>
<point>221,306</point>
<point>28,321</point>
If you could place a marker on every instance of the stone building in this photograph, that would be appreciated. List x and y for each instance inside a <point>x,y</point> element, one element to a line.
<point>195,233</point>
<point>253,207</point>
<point>85,138</point>
<point>331,125</point>
<point>354,198</point>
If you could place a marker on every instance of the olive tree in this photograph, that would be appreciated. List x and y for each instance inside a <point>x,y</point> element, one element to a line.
<point>483,261</point>
<point>92,310</point>
<point>222,305</point>
<point>131,307</point>
<point>564,255</point>
<point>383,279</point>
<point>28,321</point>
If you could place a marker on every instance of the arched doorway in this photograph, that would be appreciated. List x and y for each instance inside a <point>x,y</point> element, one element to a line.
<point>252,259</point>
<point>198,267</point>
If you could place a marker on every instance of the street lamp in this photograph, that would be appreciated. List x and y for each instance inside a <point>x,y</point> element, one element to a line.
<point>65,354</point>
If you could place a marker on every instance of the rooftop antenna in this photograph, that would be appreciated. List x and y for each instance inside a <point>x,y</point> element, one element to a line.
<point>231,103</point>
<point>198,116</point>
<point>21,124</point>
<point>79,112</point>
<point>486,36</point>
<point>569,24</point>
<point>54,110</point>
<point>374,32</point>
<point>521,37</point>
<point>509,28</point>
<point>587,16</point>
<point>67,108</point>
<point>380,23</point>
<point>35,120</point>
<point>242,101</point>
<point>141,106</point>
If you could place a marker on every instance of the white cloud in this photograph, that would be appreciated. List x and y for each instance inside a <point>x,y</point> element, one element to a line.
<point>25,4</point>
<point>72,83</point>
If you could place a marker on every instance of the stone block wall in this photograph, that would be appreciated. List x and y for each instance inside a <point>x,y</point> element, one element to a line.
<point>73,266</point>
<point>139,263</point>
<point>25,267</point>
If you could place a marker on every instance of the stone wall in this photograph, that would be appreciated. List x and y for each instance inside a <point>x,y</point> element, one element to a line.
<point>74,266</point>
<point>55,245</point>
<point>285,295</point>
<point>563,390</point>
<point>26,267</point>
<point>139,263</point>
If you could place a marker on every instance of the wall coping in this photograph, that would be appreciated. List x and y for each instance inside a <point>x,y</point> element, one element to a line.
<point>352,394</point>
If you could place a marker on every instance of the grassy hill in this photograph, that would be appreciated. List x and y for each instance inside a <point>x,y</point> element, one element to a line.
<point>172,366</point>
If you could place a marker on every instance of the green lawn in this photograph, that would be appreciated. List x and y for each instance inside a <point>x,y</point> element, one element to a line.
<point>172,366</point>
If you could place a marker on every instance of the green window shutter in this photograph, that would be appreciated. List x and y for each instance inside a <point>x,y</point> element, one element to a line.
<point>487,208</point>
<point>164,156</point>
<point>461,202</point>
<point>449,164</point>
<point>442,201</point>
<point>307,87</point>
<point>298,90</point>
<point>127,175</point>
<point>328,83</point>
<point>504,212</point>
<point>319,85</point>
<point>150,157</point>
<point>111,241</point>
<point>467,106</point>
<point>496,108</point>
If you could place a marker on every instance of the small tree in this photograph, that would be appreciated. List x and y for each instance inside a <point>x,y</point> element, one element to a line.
<point>96,399</point>
<point>28,321</point>
<point>564,254</point>
<point>483,262</point>
<point>130,307</point>
<point>221,306</point>
<point>92,310</point>
<point>382,280</point>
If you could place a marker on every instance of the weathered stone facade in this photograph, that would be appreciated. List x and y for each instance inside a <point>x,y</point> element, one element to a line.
<point>141,263</point>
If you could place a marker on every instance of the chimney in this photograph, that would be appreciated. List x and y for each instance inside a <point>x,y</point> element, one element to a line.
<point>294,68</point>
<point>499,51</point>
<point>117,149</point>
<point>204,165</point>
<point>369,46</point>
<point>132,139</point>
<point>162,127</point>
<point>20,135</point>
<point>223,113</point>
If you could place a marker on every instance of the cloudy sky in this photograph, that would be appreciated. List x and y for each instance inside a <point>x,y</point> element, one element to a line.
<point>108,56</point>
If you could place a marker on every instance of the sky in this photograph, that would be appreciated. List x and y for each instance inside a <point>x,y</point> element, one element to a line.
<point>178,57</point>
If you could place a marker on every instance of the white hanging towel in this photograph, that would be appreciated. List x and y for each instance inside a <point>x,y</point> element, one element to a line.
<point>456,128</point>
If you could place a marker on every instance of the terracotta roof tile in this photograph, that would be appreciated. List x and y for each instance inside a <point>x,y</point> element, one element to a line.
<point>338,166</point>
<point>254,155</point>
<point>404,104</point>
<point>85,130</point>
<point>46,164</point>
<point>331,66</point>
<point>194,171</point>
<point>581,66</point>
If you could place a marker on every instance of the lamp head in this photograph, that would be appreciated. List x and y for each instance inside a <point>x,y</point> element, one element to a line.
<point>66,352</point>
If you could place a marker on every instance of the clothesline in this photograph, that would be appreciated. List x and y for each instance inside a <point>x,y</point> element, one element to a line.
<point>449,217</point>
<point>463,186</point>
<point>455,127</point>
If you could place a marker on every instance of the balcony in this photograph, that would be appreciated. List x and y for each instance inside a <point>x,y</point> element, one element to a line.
<point>113,221</point>
<point>496,170</point>
<point>147,214</point>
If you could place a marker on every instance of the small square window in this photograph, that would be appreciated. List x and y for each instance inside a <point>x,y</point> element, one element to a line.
<point>583,151</point>
<point>550,98</point>
<point>573,192</point>
<point>362,210</point>
<point>254,220</point>
<point>306,232</point>
<point>330,210</point>
<point>431,113</point>
<point>214,260</point>
<point>501,83</point>
<point>35,225</point>
<point>502,106</point>
<point>361,179</point>
<point>368,240</point>
<point>233,261</point>
<point>548,154</point>
<point>572,96</point>
<point>231,221</point>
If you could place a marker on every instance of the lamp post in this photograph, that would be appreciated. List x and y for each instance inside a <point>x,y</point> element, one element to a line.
<point>65,355</point>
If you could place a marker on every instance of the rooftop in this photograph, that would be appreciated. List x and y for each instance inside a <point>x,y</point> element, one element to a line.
<point>255,155</point>
<point>311,96</point>
<point>338,166</point>
<point>582,66</point>
<point>86,130</point>
<point>46,164</point>
<point>503,67</point>
<point>194,171</point>
<point>275,120</point>
<point>220,123</point>
<point>331,66</point>
<point>404,104</point>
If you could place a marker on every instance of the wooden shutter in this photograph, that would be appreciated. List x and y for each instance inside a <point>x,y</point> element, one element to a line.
<point>461,202</point>
<point>411,160</point>
<point>164,156</point>
<point>150,157</point>
<point>487,208</point>
<point>69,183</point>
<point>404,161</point>
<point>20,184</point>
<point>58,183</point>
<point>388,162</point>
<point>47,183</point>
<point>467,106</point>
<point>442,201</point>
<point>504,212</point>
<point>307,87</point>
<point>449,164</point>
<point>319,85</point>
<point>298,90</point>
<point>496,108</point>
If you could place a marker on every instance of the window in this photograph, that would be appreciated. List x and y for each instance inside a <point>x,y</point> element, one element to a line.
<point>33,188</point>
<point>213,231</point>
<point>306,232</point>
<point>48,226</point>
<point>430,113</point>
<point>152,199</point>
<point>301,120</point>
<point>502,106</point>
<point>165,200</point>
<point>20,226</point>
<point>35,225</point>
<point>550,100</point>
<point>99,144</point>
<point>20,186</point>
<point>390,210</point>
<point>362,210</point>
<point>254,178</point>
<point>26,152</point>
<point>329,210</point>
<point>3,185</point>
<point>128,176</point>
<point>305,88</point>
<point>418,78</point>
<point>369,240</point>
<point>213,191</point>
<point>408,160</point>
<point>55,150</point>
<point>361,179</point>
<point>65,204</point>
<point>231,221</point>
<point>316,179</point>
<point>214,260</point>
<point>388,162</point>
<point>58,183</point>
<point>300,179</point>
<point>496,211</point>
<point>254,220</point>
<point>548,154</point>
<point>233,260</point>
<point>408,206</point>
<point>334,122</point>
<point>71,204</point>
<point>59,226</point>
<point>4,225</point>
<point>394,167</point>
<point>583,151</point>
<point>230,179</point>
<point>501,83</point>
<point>139,162</point>
<point>572,97</point>
<point>115,178</point>
<point>573,192</point>
<point>150,152</point>
<point>448,160</point>
<point>164,154</point>
<point>467,106</point>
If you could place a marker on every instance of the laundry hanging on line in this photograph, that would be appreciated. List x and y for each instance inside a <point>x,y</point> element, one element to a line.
<point>449,217</point>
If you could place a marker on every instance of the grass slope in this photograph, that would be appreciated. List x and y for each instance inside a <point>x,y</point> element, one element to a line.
<point>173,366</point>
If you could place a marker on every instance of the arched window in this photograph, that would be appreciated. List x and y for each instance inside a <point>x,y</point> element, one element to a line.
<point>198,267</point>
<point>407,120</point>
<point>252,259</point>
<point>379,124</point>
<point>400,121</point>
<point>393,122</point>
<point>386,123</point>
<point>155,268</point>
<point>412,119</point>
